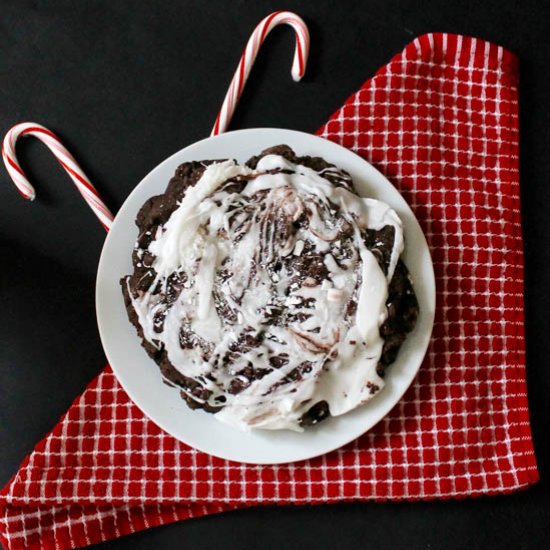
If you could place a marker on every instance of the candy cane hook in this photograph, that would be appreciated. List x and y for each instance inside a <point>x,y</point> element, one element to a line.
<point>249,56</point>
<point>87,190</point>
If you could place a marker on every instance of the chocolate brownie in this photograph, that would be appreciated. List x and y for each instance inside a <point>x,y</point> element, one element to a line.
<point>269,293</point>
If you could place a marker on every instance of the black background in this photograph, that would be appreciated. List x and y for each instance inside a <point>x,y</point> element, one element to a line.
<point>127,84</point>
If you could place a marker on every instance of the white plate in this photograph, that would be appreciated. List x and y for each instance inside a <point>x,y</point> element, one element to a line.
<point>140,376</point>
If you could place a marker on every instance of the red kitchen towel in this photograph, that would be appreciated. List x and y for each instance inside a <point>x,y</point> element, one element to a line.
<point>441,121</point>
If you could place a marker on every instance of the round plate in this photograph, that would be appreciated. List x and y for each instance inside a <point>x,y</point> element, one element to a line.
<point>140,376</point>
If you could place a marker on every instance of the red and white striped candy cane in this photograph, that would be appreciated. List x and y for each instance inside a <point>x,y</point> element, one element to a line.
<point>249,56</point>
<point>87,190</point>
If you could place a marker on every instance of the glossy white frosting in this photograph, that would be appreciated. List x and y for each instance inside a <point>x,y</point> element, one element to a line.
<point>212,227</point>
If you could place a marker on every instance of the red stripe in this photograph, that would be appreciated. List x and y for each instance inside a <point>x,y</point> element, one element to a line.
<point>40,130</point>
<point>241,73</point>
<point>452,46</point>
<point>15,167</point>
<point>425,48</point>
<point>464,58</point>
<point>300,58</point>
<point>88,186</point>
<point>13,164</point>
<point>492,55</point>
<point>217,125</point>
<point>267,23</point>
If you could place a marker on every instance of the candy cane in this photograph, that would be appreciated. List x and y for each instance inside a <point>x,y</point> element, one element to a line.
<point>249,56</point>
<point>87,190</point>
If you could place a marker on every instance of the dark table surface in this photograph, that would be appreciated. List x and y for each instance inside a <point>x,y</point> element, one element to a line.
<point>128,83</point>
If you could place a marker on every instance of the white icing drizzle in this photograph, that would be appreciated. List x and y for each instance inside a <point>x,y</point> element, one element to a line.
<point>180,244</point>
<point>228,249</point>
